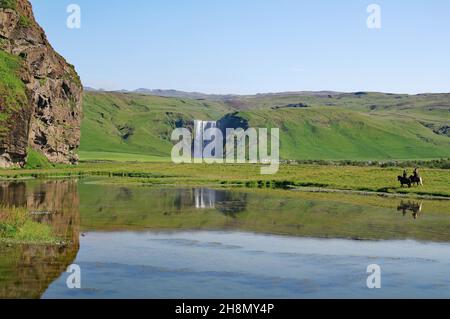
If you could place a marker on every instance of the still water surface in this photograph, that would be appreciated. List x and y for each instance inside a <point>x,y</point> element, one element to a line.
<point>141,242</point>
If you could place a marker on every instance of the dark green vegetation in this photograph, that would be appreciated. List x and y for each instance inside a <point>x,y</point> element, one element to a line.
<point>443,163</point>
<point>12,90</point>
<point>314,126</point>
<point>8,4</point>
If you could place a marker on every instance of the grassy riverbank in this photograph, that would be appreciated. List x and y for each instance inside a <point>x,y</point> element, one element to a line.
<point>348,178</point>
<point>17,226</point>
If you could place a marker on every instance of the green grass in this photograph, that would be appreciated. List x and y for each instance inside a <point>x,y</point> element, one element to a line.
<point>24,21</point>
<point>8,4</point>
<point>342,134</point>
<point>12,90</point>
<point>16,226</point>
<point>120,157</point>
<point>136,124</point>
<point>373,126</point>
<point>36,160</point>
<point>365,179</point>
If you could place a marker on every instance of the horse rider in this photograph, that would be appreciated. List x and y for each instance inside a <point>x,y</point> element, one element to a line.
<point>416,173</point>
<point>405,174</point>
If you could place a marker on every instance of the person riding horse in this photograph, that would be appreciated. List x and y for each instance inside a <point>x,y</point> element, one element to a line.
<point>405,180</point>
<point>416,178</point>
<point>413,179</point>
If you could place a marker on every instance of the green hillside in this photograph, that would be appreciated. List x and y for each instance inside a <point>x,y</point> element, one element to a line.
<point>332,126</point>
<point>137,127</point>
<point>340,134</point>
<point>12,89</point>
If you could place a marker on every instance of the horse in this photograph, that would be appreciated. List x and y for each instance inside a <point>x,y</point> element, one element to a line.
<point>404,181</point>
<point>416,180</point>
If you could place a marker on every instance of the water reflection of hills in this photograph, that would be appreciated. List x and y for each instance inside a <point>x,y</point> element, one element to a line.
<point>27,270</point>
<point>140,208</point>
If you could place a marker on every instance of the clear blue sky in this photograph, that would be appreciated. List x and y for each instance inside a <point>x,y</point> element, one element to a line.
<point>250,46</point>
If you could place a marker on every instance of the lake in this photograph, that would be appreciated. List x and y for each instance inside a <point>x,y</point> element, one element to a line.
<point>144,242</point>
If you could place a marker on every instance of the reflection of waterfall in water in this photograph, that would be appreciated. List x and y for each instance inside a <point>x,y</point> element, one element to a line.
<point>205,198</point>
<point>226,202</point>
<point>199,130</point>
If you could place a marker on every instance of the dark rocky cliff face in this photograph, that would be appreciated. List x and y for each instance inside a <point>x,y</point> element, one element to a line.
<point>40,93</point>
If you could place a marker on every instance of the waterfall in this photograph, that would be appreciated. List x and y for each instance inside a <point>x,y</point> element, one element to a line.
<point>199,129</point>
<point>198,139</point>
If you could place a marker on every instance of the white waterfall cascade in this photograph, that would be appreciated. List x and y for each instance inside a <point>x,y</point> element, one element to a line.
<point>199,129</point>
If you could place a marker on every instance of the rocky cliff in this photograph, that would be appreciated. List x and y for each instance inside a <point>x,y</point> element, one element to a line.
<point>40,93</point>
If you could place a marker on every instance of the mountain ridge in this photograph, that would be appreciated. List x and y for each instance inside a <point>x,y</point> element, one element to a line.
<point>194,94</point>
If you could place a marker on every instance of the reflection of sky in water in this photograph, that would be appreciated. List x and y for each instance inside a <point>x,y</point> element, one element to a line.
<point>243,265</point>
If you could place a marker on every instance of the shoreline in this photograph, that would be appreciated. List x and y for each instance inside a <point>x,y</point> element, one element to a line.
<point>369,193</point>
<point>228,184</point>
<point>363,181</point>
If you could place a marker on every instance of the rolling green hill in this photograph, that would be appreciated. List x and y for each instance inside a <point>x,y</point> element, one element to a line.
<point>119,126</point>
<point>323,125</point>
